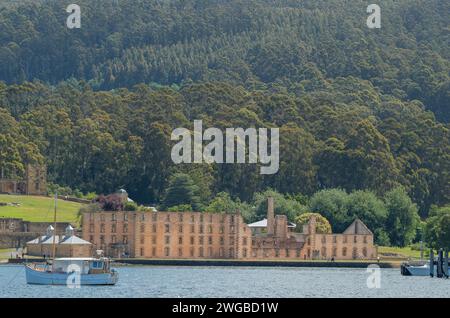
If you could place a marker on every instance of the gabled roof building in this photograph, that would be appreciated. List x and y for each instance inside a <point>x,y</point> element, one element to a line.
<point>67,245</point>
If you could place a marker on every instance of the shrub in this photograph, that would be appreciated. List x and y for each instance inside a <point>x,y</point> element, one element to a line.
<point>89,208</point>
<point>322,224</point>
<point>78,194</point>
<point>112,202</point>
<point>90,196</point>
<point>382,238</point>
<point>130,206</point>
<point>180,208</point>
<point>53,188</point>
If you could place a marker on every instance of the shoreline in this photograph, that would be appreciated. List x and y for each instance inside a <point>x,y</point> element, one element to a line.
<point>232,263</point>
<point>256,263</point>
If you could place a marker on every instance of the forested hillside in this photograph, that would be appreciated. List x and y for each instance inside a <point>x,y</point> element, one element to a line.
<point>354,139</point>
<point>357,108</point>
<point>297,44</point>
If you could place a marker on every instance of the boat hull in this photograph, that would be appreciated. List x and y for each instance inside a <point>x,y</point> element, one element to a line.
<point>37,277</point>
<point>411,270</point>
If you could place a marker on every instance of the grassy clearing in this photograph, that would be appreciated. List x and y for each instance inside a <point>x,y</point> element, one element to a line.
<point>405,252</point>
<point>6,253</point>
<point>38,209</point>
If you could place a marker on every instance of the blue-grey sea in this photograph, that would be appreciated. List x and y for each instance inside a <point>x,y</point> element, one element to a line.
<point>240,282</point>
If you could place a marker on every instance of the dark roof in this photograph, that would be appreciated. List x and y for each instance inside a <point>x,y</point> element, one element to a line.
<point>358,227</point>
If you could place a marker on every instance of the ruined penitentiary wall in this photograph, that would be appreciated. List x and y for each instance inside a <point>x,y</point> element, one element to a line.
<point>15,240</point>
<point>34,182</point>
<point>16,232</point>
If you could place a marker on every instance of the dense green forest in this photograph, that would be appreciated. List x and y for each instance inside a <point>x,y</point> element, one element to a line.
<point>358,108</point>
<point>296,44</point>
<point>99,141</point>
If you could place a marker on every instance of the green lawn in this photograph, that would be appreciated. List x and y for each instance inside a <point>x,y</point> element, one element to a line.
<point>406,252</point>
<point>39,209</point>
<point>6,253</point>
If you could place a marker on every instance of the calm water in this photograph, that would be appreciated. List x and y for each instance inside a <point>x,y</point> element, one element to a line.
<point>149,281</point>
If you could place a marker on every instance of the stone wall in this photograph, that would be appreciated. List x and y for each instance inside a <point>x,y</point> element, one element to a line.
<point>34,182</point>
<point>11,186</point>
<point>72,199</point>
<point>15,240</point>
<point>168,234</point>
<point>343,246</point>
<point>41,227</point>
<point>16,232</point>
<point>12,225</point>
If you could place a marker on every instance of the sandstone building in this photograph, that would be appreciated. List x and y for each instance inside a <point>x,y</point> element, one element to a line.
<point>67,245</point>
<point>34,182</point>
<point>191,235</point>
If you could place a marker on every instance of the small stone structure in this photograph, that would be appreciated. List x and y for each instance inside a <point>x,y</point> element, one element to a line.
<point>67,245</point>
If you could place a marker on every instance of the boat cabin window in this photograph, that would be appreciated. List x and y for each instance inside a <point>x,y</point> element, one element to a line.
<point>97,265</point>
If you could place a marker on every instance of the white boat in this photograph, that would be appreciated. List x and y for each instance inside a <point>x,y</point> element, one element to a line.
<point>418,269</point>
<point>72,272</point>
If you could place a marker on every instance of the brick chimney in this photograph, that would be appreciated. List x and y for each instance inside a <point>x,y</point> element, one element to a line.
<point>270,216</point>
<point>312,225</point>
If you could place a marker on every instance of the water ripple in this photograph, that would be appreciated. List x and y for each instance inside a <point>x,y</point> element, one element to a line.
<point>240,282</point>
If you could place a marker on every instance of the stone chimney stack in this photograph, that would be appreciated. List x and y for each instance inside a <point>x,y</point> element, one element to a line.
<point>312,225</point>
<point>50,231</point>
<point>69,231</point>
<point>270,216</point>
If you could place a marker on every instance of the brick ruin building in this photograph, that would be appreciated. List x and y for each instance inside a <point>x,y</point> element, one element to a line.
<point>14,233</point>
<point>33,183</point>
<point>196,235</point>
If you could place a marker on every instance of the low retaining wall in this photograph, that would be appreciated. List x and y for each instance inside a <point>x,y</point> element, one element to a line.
<point>16,239</point>
<point>73,199</point>
<point>165,262</point>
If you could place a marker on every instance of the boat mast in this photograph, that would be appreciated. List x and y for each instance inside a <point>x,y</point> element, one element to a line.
<point>54,231</point>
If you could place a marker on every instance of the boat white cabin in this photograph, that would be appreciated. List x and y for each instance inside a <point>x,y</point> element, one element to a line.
<point>91,271</point>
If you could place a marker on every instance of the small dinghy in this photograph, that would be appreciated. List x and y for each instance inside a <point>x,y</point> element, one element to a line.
<point>417,269</point>
<point>434,267</point>
<point>72,272</point>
